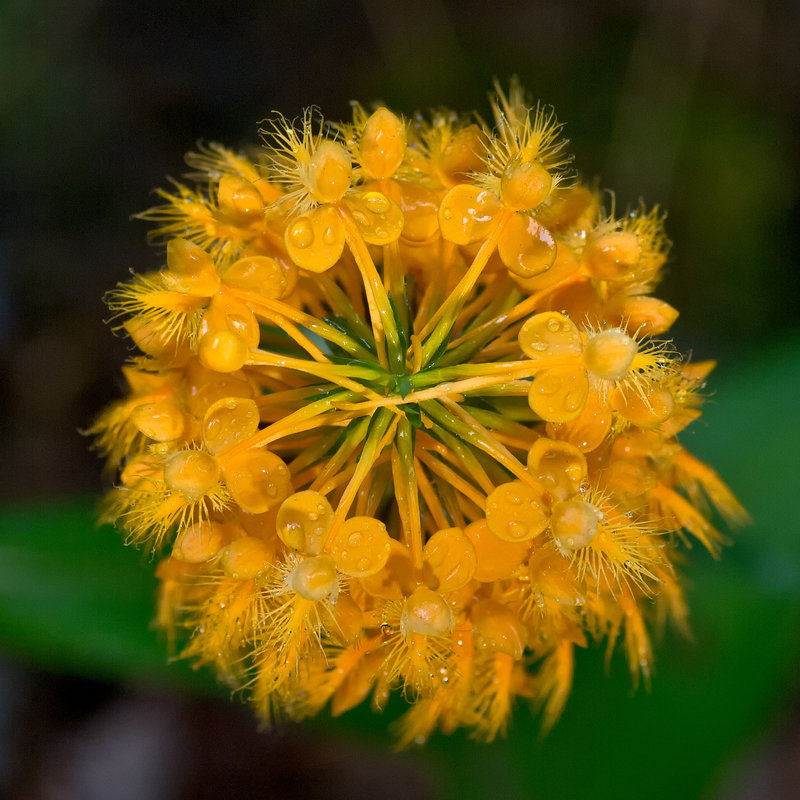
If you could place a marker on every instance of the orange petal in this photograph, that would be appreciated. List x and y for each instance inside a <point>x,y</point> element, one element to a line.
<point>549,334</point>
<point>361,546</point>
<point>315,240</point>
<point>526,247</point>
<point>496,559</point>
<point>379,219</point>
<point>451,557</point>
<point>515,512</point>
<point>559,394</point>
<point>467,213</point>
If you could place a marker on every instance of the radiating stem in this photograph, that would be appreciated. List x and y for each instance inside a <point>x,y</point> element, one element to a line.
<point>382,426</point>
<point>384,326</point>
<point>441,323</point>
<point>275,310</point>
<point>405,481</point>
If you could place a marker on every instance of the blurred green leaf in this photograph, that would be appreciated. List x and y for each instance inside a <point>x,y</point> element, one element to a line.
<point>72,598</point>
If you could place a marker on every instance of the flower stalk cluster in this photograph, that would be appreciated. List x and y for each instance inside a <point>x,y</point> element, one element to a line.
<point>402,419</point>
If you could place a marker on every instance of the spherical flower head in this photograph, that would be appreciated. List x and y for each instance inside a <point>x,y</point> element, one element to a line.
<point>400,422</point>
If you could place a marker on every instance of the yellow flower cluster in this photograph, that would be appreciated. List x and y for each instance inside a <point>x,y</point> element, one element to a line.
<point>400,420</point>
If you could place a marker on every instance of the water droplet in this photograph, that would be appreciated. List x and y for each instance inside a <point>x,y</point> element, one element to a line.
<point>540,347</point>
<point>376,203</point>
<point>301,233</point>
<point>517,529</point>
<point>549,384</point>
<point>354,540</point>
<point>554,325</point>
<point>329,237</point>
<point>363,563</point>
<point>447,213</point>
<point>313,517</point>
<point>573,400</point>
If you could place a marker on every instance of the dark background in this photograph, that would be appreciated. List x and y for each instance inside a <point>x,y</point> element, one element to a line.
<point>691,105</point>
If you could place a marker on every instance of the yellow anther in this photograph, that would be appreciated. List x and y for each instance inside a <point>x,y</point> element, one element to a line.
<point>191,472</point>
<point>426,613</point>
<point>525,185</point>
<point>315,578</point>
<point>609,354</point>
<point>574,523</point>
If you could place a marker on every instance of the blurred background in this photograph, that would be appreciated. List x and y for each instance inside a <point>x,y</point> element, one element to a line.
<point>691,105</point>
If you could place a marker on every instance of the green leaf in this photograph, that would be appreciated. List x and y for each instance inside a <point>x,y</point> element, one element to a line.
<point>74,598</point>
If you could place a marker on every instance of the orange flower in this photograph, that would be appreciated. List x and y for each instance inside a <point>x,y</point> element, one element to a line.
<point>400,421</point>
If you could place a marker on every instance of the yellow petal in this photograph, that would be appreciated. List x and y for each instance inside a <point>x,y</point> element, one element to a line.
<point>526,247</point>
<point>379,219</point>
<point>559,393</point>
<point>467,213</point>
<point>315,240</point>
<point>549,335</point>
